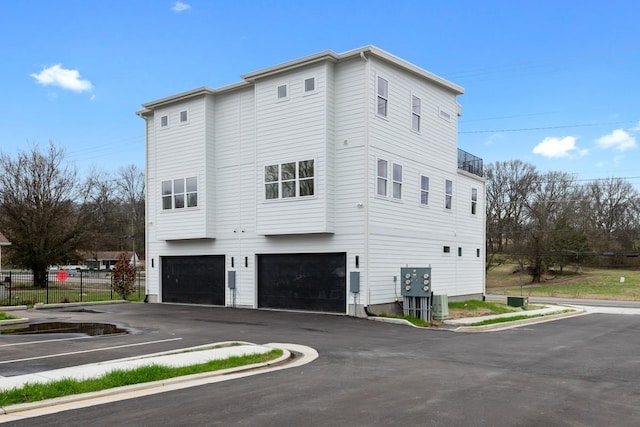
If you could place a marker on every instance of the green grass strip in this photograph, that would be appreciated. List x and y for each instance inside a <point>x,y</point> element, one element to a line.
<point>33,392</point>
<point>5,316</point>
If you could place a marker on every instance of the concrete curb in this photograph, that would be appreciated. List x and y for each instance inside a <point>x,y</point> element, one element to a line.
<point>13,307</point>
<point>521,322</point>
<point>159,386</point>
<point>43,306</point>
<point>8,323</point>
<point>459,324</point>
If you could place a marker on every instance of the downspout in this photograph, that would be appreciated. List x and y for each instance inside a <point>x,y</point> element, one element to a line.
<point>367,71</point>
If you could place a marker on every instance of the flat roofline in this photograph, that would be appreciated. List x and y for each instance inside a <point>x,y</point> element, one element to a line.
<point>328,55</point>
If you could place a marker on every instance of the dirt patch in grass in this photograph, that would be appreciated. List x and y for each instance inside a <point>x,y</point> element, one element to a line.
<point>459,313</point>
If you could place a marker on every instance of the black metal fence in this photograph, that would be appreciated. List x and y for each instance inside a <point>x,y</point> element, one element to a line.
<point>17,288</point>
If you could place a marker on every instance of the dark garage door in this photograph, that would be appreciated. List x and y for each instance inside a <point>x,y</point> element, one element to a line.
<point>315,282</point>
<point>193,279</point>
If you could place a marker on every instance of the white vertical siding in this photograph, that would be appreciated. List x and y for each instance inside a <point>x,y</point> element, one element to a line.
<point>181,152</point>
<point>232,135</point>
<point>292,130</point>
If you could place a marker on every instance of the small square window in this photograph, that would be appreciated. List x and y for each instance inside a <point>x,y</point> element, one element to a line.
<point>446,249</point>
<point>184,117</point>
<point>164,121</point>
<point>282,92</point>
<point>310,84</point>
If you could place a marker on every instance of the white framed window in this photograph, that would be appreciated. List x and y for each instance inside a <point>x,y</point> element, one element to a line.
<point>397,181</point>
<point>282,92</point>
<point>382,177</point>
<point>446,249</point>
<point>309,85</point>
<point>383,96</point>
<point>444,115</point>
<point>477,253</point>
<point>459,251</point>
<point>180,193</point>
<point>415,113</point>
<point>448,194</point>
<point>289,180</point>
<point>474,201</point>
<point>424,190</point>
<point>184,117</point>
<point>164,122</point>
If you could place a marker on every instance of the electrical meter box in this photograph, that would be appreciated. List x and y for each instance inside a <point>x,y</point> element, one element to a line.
<point>415,282</point>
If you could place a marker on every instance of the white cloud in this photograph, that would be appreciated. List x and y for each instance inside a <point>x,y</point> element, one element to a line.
<point>62,77</point>
<point>618,140</point>
<point>557,147</point>
<point>180,7</point>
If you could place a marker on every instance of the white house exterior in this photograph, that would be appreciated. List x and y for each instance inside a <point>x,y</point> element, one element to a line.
<point>270,192</point>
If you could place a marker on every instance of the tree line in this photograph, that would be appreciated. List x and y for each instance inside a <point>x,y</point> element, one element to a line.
<point>51,214</point>
<point>544,220</point>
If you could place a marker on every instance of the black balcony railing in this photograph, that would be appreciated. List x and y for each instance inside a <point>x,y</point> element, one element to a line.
<point>470,163</point>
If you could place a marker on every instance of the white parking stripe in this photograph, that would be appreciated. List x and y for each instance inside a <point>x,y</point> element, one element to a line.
<point>87,351</point>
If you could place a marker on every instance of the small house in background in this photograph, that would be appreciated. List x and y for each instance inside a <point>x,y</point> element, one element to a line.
<point>106,260</point>
<point>3,242</point>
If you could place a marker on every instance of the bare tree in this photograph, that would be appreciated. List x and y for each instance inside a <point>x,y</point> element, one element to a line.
<point>549,209</point>
<point>43,209</point>
<point>509,184</point>
<point>130,184</point>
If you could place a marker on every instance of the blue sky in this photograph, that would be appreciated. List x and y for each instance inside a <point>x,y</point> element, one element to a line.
<point>553,83</point>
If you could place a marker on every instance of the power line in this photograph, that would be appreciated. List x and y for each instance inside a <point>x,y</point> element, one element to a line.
<point>546,127</point>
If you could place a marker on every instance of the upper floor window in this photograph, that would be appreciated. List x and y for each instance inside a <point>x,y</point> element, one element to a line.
<point>382,178</point>
<point>448,194</point>
<point>424,190</point>
<point>397,181</point>
<point>164,121</point>
<point>310,85</point>
<point>474,200</point>
<point>184,117</point>
<point>288,180</point>
<point>415,113</point>
<point>282,92</point>
<point>180,193</point>
<point>383,96</point>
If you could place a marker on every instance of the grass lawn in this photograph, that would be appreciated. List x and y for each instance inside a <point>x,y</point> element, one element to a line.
<point>5,316</point>
<point>595,283</point>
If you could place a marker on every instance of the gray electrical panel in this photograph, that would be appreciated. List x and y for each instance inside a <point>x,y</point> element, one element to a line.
<point>415,282</point>
<point>354,282</point>
<point>231,279</point>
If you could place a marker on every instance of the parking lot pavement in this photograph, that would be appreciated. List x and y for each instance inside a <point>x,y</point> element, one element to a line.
<point>574,371</point>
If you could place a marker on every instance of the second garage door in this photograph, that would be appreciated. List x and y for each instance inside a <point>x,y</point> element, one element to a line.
<point>314,282</point>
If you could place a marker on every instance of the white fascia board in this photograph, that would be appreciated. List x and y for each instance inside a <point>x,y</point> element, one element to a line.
<point>327,55</point>
<point>150,106</point>
<point>459,90</point>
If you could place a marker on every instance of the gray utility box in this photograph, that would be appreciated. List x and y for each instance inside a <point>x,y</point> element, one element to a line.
<point>440,307</point>
<point>415,282</point>
<point>518,302</point>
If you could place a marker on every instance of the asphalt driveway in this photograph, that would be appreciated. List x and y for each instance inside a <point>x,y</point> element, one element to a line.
<point>576,371</point>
